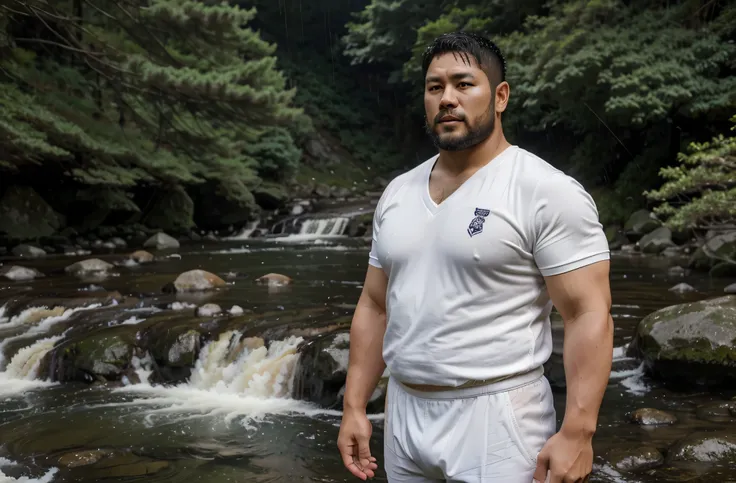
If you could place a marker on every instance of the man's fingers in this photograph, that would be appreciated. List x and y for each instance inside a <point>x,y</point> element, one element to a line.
<point>349,459</point>
<point>540,475</point>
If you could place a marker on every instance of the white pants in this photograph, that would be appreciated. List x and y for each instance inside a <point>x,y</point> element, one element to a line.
<point>489,434</point>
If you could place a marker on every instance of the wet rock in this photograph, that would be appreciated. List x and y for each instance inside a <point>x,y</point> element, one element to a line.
<point>25,215</point>
<point>676,271</point>
<point>716,249</point>
<point>118,242</point>
<point>322,369</point>
<point>141,256</point>
<point>706,448</point>
<point>656,241</point>
<point>208,310</point>
<point>652,417</point>
<point>236,310</point>
<point>28,251</point>
<point>276,279</point>
<point>161,241</point>
<point>717,412</point>
<point>195,281</point>
<point>671,252</point>
<point>637,458</point>
<point>682,288</point>
<point>83,458</point>
<point>639,224</point>
<point>690,344</point>
<point>89,267</point>
<point>17,273</point>
<point>124,465</point>
<point>98,357</point>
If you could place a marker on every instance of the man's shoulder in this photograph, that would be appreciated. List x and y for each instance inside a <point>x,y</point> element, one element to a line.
<point>538,177</point>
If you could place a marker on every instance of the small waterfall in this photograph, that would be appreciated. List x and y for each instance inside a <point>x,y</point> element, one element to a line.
<point>307,228</point>
<point>22,370</point>
<point>40,320</point>
<point>246,232</point>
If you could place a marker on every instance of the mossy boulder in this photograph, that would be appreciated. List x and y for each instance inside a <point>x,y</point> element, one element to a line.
<point>639,224</point>
<point>102,357</point>
<point>24,215</point>
<point>718,249</point>
<point>690,344</point>
<point>719,448</point>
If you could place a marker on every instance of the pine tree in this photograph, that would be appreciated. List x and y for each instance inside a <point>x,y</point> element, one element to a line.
<point>126,94</point>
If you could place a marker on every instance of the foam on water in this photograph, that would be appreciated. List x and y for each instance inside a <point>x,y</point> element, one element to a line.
<point>6,463</point>
<point>235,377</point>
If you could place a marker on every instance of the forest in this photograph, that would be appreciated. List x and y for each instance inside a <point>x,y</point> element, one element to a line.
<point>182,115</point>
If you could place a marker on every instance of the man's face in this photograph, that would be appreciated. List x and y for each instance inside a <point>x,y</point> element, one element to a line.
<point>458,103</point>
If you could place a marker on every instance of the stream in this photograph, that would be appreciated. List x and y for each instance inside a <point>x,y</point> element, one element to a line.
<point>234,418</point>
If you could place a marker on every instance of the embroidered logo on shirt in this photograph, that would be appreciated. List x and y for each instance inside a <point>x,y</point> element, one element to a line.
<point>476,225</point>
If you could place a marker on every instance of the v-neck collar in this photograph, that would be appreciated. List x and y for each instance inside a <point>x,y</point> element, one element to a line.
<point>491,165</point>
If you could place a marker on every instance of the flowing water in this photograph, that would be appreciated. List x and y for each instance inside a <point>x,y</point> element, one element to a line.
<point>233,419</point>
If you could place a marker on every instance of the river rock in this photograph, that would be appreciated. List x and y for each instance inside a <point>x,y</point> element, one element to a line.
<point>90,266</point>
<point>652,417</point>
<point>682,288</point>
<point>717,249</point>
<point>717,411</point>
<point>95,357</point>
<point>161,241</point>
<point>276,279</point>
<point>706,448</point>
<point>195,281</point>
<point>730,288</point>
<point>28,251</point>
<point>639,224</point>
<point>637,458</point>
<point>691,343</point>
<point>208,310</point>
<point>656,241</point>
<point>141,256</point>
<point>74,459</point>
<point>18,273</point>
<point>322,369</point>
<point>25,215</point>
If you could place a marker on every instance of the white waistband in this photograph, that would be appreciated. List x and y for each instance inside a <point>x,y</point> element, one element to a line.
<point>502,385</point>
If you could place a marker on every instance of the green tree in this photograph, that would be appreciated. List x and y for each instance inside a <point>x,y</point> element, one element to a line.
<point>700,191</point>
<point>608,90</point>
<point>125,95</point>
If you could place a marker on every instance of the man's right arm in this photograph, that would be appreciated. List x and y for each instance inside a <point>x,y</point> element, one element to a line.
<point>365,368</point>
<point>366,363</point>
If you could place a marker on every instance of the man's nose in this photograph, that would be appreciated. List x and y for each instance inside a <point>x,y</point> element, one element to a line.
<point>449,99</point>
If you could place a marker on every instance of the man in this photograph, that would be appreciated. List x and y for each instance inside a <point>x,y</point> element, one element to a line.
<point>471,249</point>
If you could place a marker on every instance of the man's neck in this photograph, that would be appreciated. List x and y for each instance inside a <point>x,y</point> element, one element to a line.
<point>459,162</point>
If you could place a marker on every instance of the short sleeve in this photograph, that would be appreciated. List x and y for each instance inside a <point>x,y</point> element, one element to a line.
<point>373,254</point>
<point>377,214</point>
<point>567,232</point>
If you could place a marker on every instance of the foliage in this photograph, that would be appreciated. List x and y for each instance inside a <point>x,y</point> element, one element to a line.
<point>608,90</point>
<point>128,94</point>
<point>701,190</point>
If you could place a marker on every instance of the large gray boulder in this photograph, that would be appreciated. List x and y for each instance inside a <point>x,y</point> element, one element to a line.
<point>690,344</point>
<point>24,215</point>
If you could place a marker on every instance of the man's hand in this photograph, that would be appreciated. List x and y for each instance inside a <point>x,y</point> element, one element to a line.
<point>568,456</point>
<point>353,442</point>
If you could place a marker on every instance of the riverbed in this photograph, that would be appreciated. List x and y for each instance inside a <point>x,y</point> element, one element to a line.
<point>213,428</point>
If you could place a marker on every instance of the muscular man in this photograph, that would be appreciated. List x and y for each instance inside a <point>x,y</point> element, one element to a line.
<point>471,250</point>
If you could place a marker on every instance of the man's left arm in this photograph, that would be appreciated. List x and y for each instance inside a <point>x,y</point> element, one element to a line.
<point>572,254</point>
<point>583,299</point>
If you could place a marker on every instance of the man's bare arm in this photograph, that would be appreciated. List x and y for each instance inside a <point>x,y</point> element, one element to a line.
<point>583,298</point>
<point>366,341</point>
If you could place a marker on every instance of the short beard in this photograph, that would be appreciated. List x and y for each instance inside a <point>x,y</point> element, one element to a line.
<point>483,128</point>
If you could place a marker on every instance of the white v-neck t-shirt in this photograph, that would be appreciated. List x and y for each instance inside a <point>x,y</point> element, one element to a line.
<point>466,298</point>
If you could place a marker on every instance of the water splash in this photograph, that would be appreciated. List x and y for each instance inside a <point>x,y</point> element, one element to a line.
<point>21,373</point>
<point>234,377</point>
<point>5,463</point>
